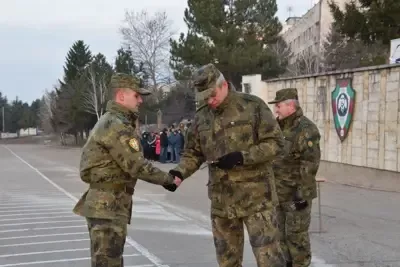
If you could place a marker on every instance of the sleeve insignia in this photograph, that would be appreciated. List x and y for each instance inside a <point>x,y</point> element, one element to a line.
<point>133,143</point>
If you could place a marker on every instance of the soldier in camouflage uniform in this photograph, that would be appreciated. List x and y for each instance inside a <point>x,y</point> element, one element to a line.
<point>295,177</point>
<point>111,162</point>
<point>238,136</point>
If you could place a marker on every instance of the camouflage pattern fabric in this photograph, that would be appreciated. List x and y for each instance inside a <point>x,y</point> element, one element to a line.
<point>296,171</point>
<point>107,240</point>
<point>263,233</point>
<point>285,94</point>
<point>123,80</point>
<point>295,240</point>
<point>242,123</point>
<point>295,176</point>
<point>205,81</point>
<point>113,158</point>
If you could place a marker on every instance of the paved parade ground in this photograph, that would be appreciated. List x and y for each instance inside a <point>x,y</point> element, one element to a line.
<point>40,185</point>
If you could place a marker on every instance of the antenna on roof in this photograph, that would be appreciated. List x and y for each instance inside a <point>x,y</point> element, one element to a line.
<point>289,9</point>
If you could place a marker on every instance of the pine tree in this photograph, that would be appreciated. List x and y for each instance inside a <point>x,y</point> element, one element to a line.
<point>78,58</point>
<point>371,21</point>
<point>125,63</point>
<point>236,35</point>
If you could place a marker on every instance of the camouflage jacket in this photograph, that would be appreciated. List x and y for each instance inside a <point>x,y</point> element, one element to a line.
<point>242,123</point>
<point>297,170</point>
<point>113,155</point>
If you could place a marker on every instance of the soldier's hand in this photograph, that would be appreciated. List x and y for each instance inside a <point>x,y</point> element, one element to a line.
<point>176,174</point>
<point>178,177</point>
<point>230,160</point>
<point>171,187</point>
<point>300,204</point>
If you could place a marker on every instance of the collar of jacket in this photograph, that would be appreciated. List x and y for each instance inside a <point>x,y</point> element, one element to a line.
<point>119,109</point>
<point>289,120</point>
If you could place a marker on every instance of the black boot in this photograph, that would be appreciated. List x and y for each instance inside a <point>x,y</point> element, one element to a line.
<point>289,264</point>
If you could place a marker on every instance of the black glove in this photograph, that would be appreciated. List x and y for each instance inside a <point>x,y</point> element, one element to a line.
<point>172,187</point>
<point>298,202</point>
<point>230,160</point>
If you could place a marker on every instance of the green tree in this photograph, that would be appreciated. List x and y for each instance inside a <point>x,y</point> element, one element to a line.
<point>236,35</point>
<point>78,58</point>
<point>35,111</point>
<point>125,63</point>
<point>7,111</point>
<point>342,52</point>
<point>371,21</point>
<point>70,112</point>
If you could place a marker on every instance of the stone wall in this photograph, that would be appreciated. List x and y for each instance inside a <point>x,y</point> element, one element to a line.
<point>373,140</point>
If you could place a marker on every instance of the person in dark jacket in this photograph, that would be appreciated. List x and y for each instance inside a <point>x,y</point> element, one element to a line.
<point>164,146</point>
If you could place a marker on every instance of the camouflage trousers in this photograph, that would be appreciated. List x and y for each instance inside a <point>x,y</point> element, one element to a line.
<point>295,240</point>
<point>263,233</point>
<point>107,241</point>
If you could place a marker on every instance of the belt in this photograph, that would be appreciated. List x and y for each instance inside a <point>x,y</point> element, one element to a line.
<point>111,186</point>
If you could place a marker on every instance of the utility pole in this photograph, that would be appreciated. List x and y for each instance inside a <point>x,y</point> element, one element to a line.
<point>3,120</point>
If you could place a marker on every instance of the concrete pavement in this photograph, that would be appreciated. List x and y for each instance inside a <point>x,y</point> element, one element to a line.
<point>40,185</point>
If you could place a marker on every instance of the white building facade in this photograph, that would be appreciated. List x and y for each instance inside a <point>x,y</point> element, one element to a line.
<point>308,33</point>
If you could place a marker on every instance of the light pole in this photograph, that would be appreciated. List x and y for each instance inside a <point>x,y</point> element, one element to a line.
<point>3,120</point>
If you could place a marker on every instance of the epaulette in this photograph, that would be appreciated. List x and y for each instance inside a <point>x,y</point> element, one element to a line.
<point>122,119</point>
<point>201,107</point>
<point>249,97</point>
<point>305,123</point>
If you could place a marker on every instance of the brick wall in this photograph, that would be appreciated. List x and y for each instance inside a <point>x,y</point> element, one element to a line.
<point>374,136</point>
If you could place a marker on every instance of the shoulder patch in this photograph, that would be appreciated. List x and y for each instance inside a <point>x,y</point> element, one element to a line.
<point>133,143</point>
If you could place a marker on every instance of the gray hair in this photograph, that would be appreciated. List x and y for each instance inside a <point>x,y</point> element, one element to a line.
<point>295,102</point>
<point>220,80</point>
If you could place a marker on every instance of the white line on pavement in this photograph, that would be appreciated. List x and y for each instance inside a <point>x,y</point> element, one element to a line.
<point>37,218</point>
<point>12,211</point>
<point>39,213</point>
<point>151,257</point>
<point>44,242</point>
<point>65,221</point>
<point>34,236</point>
<point>33,206</point>
<point>42,228</point>
<point>43,252</point>
<point>54,261</point>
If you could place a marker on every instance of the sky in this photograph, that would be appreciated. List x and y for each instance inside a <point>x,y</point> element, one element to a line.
<point>35,35</point>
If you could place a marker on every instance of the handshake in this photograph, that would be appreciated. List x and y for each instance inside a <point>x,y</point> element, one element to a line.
<point>225,162</point>
<point>178,178</point>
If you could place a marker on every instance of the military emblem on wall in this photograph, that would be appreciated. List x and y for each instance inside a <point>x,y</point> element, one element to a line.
<point>343,97</point>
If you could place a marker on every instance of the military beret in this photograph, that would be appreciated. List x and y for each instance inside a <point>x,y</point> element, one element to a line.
<point>126,81</point>
<point>205,80</point>
<point>285,94</point>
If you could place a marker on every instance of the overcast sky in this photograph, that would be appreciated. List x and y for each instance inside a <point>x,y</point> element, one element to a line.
<point>35,35</point>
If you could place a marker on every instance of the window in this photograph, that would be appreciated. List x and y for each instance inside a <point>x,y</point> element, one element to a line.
<point>247,88</point>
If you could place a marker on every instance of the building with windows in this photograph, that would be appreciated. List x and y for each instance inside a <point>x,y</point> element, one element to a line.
<point>307,34</point>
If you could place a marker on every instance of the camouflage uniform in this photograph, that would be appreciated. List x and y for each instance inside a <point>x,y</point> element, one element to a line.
<point>111,162</point>
<point>243,194</point>
<point>295,181</point>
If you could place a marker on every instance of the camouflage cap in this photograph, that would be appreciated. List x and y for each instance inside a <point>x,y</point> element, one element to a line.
<point>285,94</point>
<point>123,80</point>
<point>205,79</point>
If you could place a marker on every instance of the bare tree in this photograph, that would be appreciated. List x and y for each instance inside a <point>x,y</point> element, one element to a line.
<point>148,38</point>
<point>46,111</point>
<point>96,93</point>
<point>305,63</point>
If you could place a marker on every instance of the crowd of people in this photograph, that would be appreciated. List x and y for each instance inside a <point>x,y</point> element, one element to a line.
<point>165,146</point>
